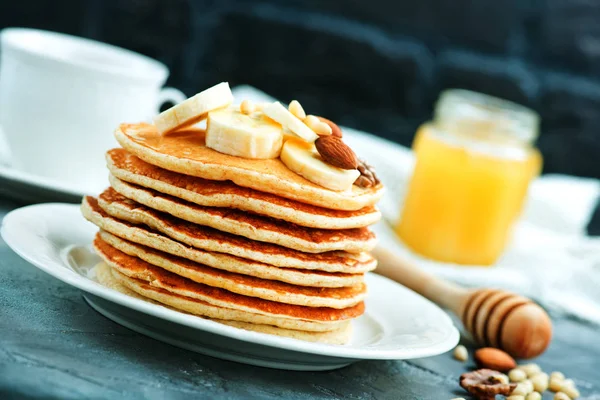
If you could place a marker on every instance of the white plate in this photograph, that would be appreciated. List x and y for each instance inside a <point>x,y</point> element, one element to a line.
<point>398,324</point>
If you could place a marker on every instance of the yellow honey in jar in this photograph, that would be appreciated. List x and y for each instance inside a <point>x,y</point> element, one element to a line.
<point>474,163</point>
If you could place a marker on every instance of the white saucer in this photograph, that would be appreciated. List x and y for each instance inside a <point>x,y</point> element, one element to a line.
<point>398,324</point>
<point>35,188</point>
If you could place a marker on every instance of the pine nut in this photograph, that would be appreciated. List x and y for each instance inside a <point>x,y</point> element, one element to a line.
<point>540,382</point>
<point>247,107</point>
<point>320,128</point>
<point>530,369</point>
<point>296,109</point>
<point>517,375</point>
<point>461,353</point>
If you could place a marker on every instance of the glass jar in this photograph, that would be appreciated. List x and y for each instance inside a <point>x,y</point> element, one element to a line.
<point>474,163</point>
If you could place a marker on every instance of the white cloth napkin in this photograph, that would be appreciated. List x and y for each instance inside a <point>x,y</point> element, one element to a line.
<point>550,258</point>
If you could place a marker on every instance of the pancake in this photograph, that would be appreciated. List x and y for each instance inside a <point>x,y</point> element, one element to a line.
<point>127,167</point>
<point>341,335</point>
<point>145,236</point>
<point>210,239</point>
<point>338,336</point>
<point>159,278</point>
<point>104,276</point>
<point>249,225</point>
<point>237,283</point>
<point>185,152</point>
<point>205,309</point>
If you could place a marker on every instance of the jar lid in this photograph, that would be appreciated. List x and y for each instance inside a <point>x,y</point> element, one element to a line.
<point>500,118</point>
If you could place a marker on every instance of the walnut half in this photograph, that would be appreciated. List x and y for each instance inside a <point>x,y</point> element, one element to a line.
<point>367,176</point>
<point>485,385</point>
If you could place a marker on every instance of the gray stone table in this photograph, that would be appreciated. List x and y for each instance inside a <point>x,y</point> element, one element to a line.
<point>53,345</point>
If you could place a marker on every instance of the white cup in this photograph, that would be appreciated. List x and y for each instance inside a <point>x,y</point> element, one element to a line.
<point>61,98</point>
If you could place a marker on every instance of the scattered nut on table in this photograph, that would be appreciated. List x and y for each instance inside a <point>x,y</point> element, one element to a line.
<point>534,396</point>
<point>561,396</point>
<point>496,359</point>
<point>524,382</point>
<point>568,388</point>
<point>482,384</point>
<point>522,389</point>
<point>530,369</point>
<point>461,353</point>
<point>517,375</point>
<point>501,378</point>
<point>555,384</point>
<point>540,382</point>
<point>557,375</point>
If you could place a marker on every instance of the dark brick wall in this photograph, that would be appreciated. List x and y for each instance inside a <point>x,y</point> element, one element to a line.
<point>375,65</point>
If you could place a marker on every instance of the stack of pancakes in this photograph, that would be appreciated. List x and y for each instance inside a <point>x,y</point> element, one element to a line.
<point>247,243</point>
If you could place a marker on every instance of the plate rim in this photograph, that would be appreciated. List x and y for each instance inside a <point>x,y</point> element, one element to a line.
<point>76,280</point>
<point>234,355</point>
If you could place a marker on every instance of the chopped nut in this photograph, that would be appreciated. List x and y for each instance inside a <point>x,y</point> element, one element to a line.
<point>530,369</point>
<point>557,375</point>
<point>540,382</point>
<point>561,396</point>
<point>534,396</point>
<point>247,107</point>
<point>481,384</point>
<point>461,353</point>
<point>517,375</point>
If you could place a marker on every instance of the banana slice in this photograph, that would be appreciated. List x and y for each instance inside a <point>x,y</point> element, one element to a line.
<point>280,114</point>
<point>194,109</point>
<point>231,132</point>
<point>303,158</point>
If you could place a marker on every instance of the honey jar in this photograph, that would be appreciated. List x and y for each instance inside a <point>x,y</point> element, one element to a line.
<point>474,163</point>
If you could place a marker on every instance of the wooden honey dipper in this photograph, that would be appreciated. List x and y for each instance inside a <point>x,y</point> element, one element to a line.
<point>493,317</point>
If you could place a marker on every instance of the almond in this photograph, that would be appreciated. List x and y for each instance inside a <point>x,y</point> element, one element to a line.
<point>335,152</point>
<point>335,130</point>
<point>489,357</point>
